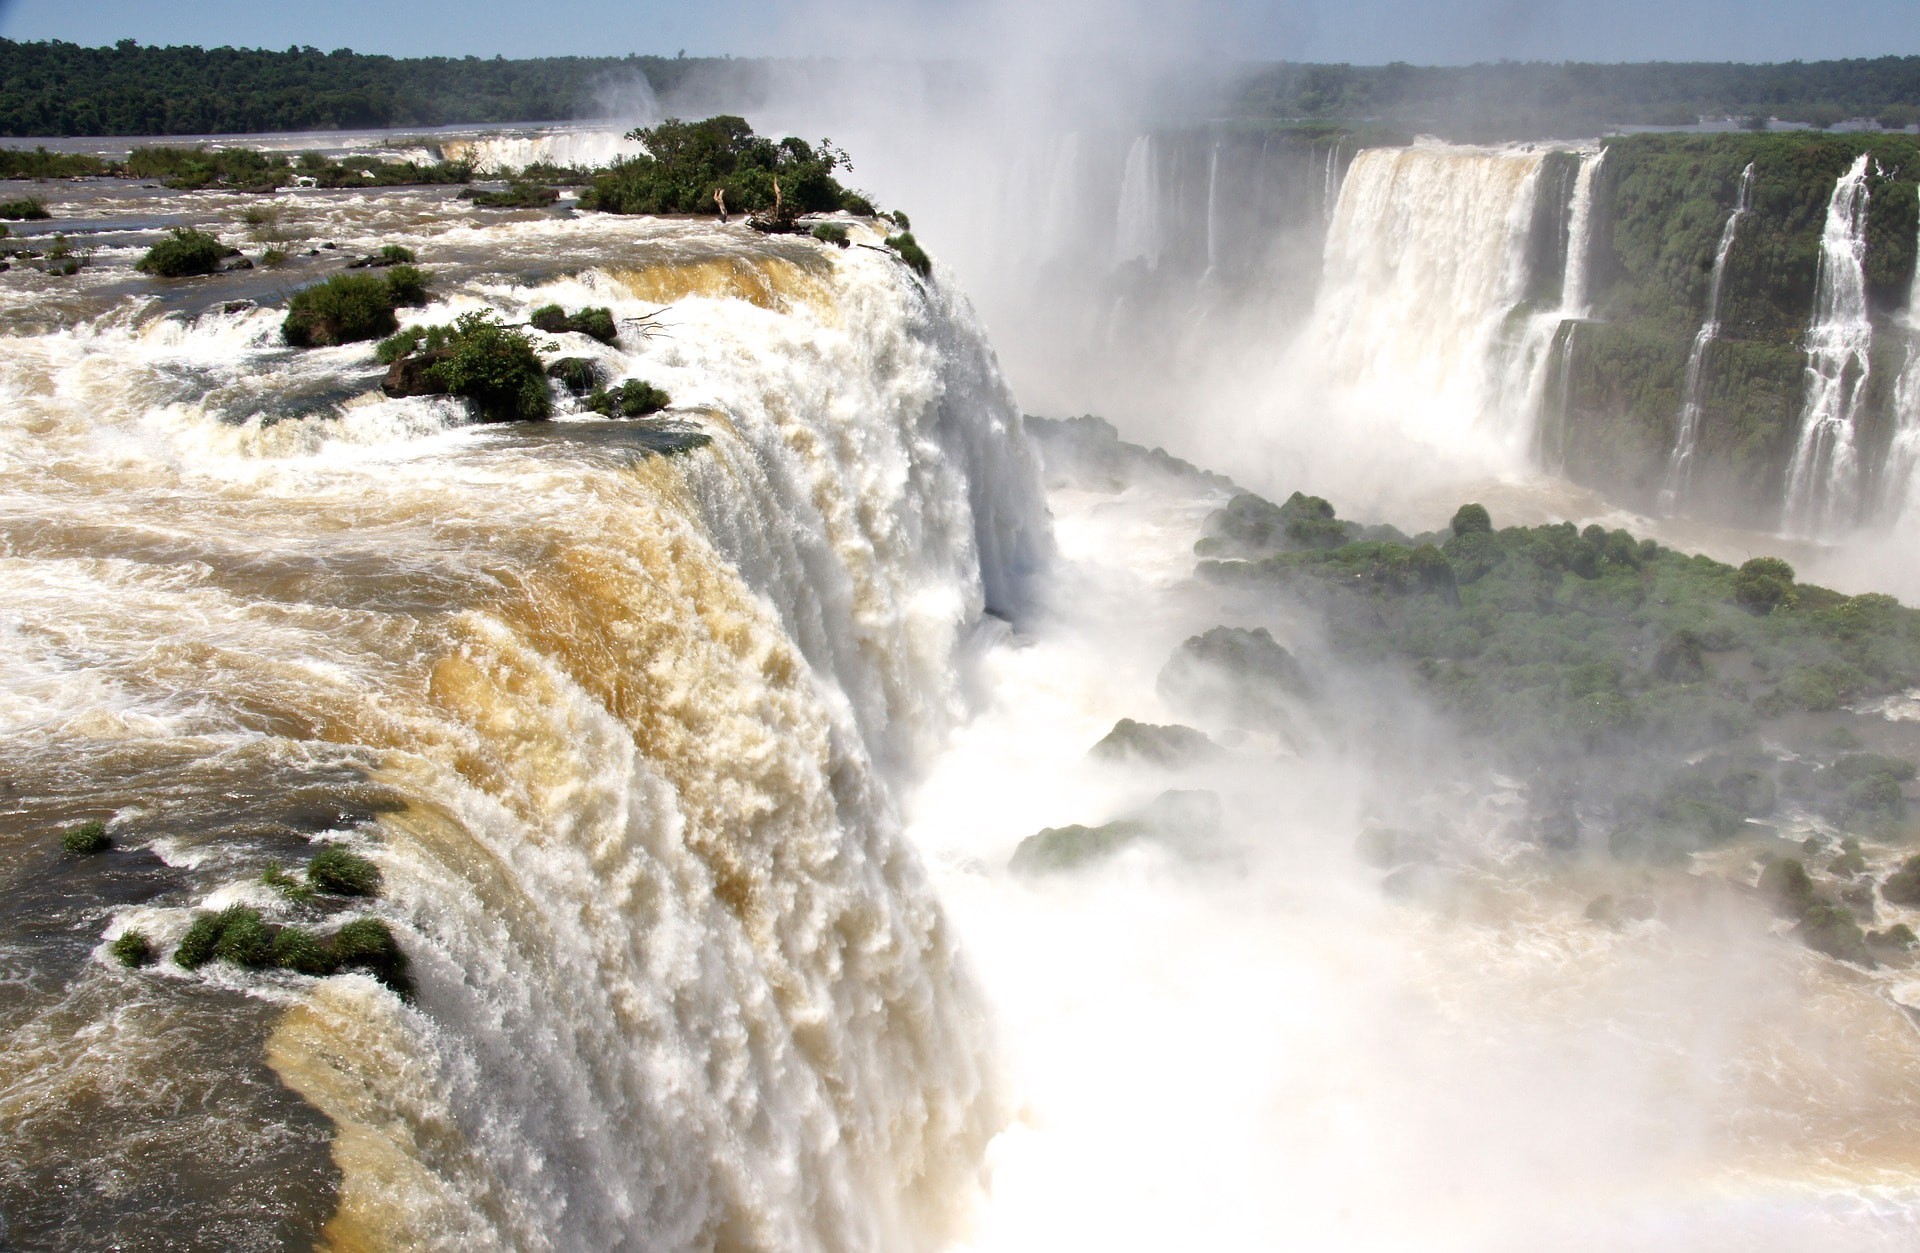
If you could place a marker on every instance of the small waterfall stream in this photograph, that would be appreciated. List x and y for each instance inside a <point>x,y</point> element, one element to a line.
<point>1823,478</point>
<point>1680,464</point>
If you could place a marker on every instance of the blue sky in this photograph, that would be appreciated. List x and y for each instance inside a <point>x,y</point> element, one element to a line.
<point>1364,31</point>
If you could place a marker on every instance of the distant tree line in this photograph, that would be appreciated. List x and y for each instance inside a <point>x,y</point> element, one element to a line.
<point>64,89</point>
<point>1536,100</point>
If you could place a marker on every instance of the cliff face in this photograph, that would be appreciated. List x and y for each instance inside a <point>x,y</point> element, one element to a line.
<point>1663,205</point>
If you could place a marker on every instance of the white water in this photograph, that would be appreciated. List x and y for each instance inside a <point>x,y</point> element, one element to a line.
<point>1529,363</point>
<point>1680,461</point>
<point>581,148</point>
<point>681,982</point>
<point>1903,458</point>
<point>1425,260</point>
<point>1137,220</point>
<point>1823,479</point>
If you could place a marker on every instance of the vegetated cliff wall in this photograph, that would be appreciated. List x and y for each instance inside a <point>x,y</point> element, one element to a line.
<point>1663,204</point>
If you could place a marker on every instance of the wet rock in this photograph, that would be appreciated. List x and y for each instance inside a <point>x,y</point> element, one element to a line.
<point>1185,820</point>
<point>1173,746</point>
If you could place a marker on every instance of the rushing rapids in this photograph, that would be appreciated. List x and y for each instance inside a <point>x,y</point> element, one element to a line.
<point>621,730</point>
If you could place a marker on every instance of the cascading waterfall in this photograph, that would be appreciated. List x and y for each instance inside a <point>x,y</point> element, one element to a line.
<point>681,982</point>
<point>1903,457</point>
<point>1424,262</point>
<point>1680,461</point>
<point>1213,200</point>
<point>1823,477</point>
<point>1530,364</point>
<point>1137,222</point>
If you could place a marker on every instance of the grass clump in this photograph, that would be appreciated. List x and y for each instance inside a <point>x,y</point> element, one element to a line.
<point>87,839</point>
<point>912,253</point>
<point>345,309</point>
<point>834,233</point>
<point>236,934</point>
<point>342,873</point>
<point>31,209</point>
<point>595,322</point>
<point>286,885</point>
<point>132,949</point>
<point>631,399</point>
<point>184,254</point>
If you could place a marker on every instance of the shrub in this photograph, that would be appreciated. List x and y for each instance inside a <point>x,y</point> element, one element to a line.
<point>345,309</point>
<point>86,839</point>
<point>1472,520</point>
<point>187,252</point>
<point>273,257</point>
<point>901,218</point>
<point>342,873</point>
<point>392,254</point>
<point>494,367</point>
<point>132,949</point>
<point>578,375</point>
<point>1786,882</point>
<point>632,399</point>
<point>912,253</point>
<point>299,950</point>
<point>518,195</point>
<point>686,162</point>
<point>595,322</point>
<point>32,209</point>
<point>406,287</point>
<point>831,233</point>
<point>1762,584</point>
<point>1903,885</point>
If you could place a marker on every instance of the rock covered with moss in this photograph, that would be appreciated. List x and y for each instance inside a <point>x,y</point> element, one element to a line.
<point>1185,821</point>
<point>1173,747</point>
<point>351,308</point>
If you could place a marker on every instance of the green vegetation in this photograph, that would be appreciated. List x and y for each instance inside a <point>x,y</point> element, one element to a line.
<point>518,195</point>
<point>831,233</point>
<point>39,163</point>
<point>240,936</point>
<point>286,885</point>
<point>62,89</point>
<point>578,375</point>
<point>348,308</point>
<point>1183,821</point>
<point>132,949</point>
<point>631,399</point>
<point>186,252</point>
<point>342,873</point>
<point>1594,663</point>
<point>382,257</point>
<point>1517,100</point>
<point>687,162</point>
<point>1663,202</point>
<point>253,170</point>
<point>491,366</point>
<point>912,253</point>
<point>32,209</point>
<point>1172,746</point>
<point>87,839</point>
<point>595,322</point>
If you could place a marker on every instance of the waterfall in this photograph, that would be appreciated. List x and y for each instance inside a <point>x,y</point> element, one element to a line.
<point>1213,199</point>
<point>1425,261</point>
<point>682,984</point>
<point>1823,477</point>
<point>1530,363</point>
<point>1573,288</point>
<point>1680,461</point>
<point>1137,224</point>
<point>1903,457</point>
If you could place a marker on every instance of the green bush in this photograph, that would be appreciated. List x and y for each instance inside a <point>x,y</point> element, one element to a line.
<point>1763,584</point>
<point>393,254</point>
<point>342,873</point>
<point>368,944</point>
<point>831,233</point>
<point>912,253</point>
<point>518,195</point>
<point>595,322</point>
<point>86,839</point>
<point>299,950</point>
<point>406,287</point>
<point>686,162</point>
<point>631,399</point>
<point>1471,520</point>
<point>578,375</point>
<point>132,949</point>
<point>187,252</point>
<point>495,368</point>
<point>1903,885</point>
<point>344,309</point>
<point>32,209</point>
